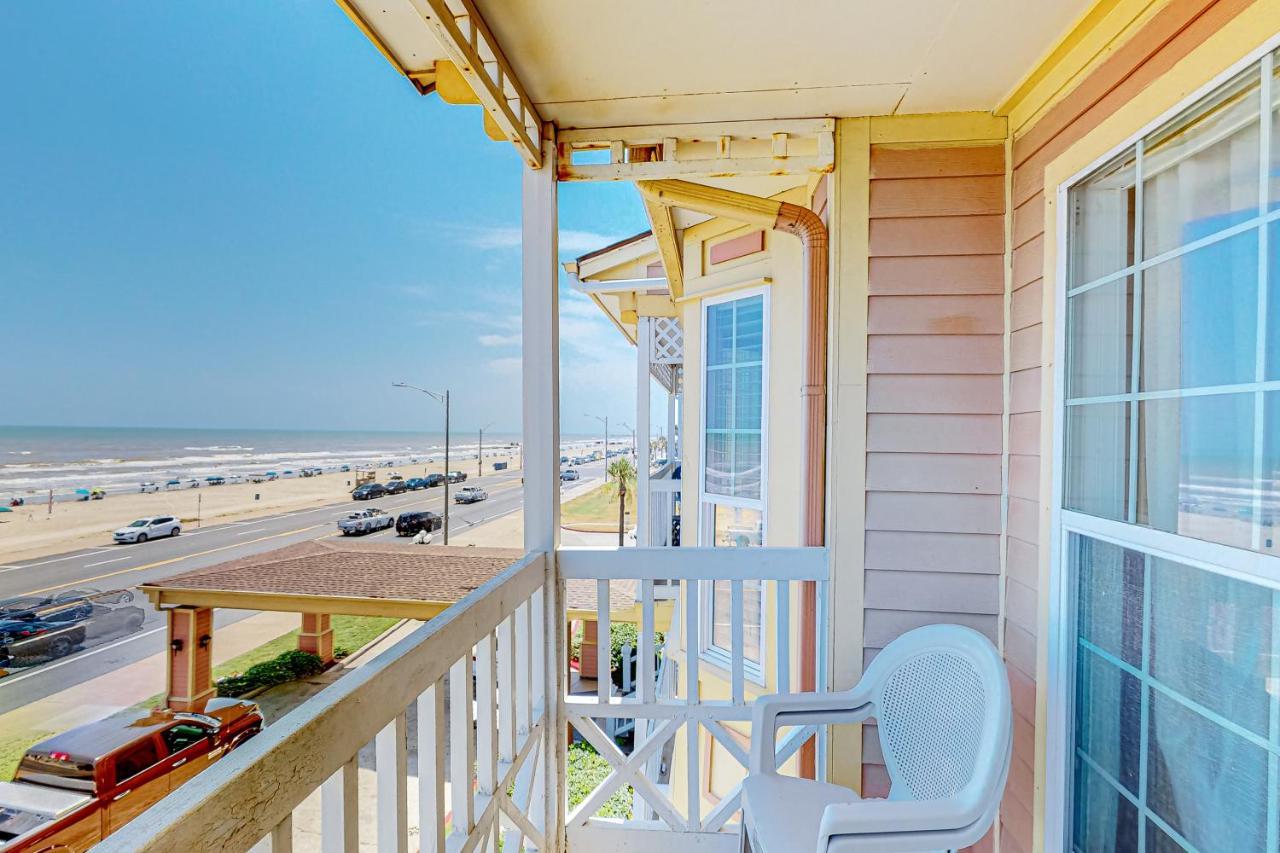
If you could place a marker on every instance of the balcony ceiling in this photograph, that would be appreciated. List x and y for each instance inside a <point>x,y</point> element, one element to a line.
<point>588,64</point>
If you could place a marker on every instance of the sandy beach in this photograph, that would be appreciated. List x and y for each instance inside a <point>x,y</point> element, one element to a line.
<point>32,531</point>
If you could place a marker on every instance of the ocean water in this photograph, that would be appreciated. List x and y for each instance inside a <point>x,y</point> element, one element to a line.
<point>36,459</point>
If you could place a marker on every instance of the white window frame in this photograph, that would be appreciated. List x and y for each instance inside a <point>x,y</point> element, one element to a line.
<point>713,654</point>
<point>1241,564</point>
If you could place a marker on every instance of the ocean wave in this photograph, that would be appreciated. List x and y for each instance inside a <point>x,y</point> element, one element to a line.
<point>220,447</point>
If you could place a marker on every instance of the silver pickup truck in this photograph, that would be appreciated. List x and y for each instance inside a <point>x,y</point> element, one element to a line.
<point>365,521</point>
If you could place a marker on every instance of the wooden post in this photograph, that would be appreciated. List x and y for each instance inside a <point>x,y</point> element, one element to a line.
<point>644,352</point>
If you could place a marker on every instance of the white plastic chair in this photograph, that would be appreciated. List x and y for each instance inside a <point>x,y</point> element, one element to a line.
<point>941,698</point>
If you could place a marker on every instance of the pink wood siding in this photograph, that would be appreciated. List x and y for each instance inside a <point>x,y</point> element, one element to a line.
<point>935,397</point>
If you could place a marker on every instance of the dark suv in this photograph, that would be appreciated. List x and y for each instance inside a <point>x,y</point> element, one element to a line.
<point>433,480</point>
<point>457,476</point>
<point>409,523</point>
<point>368,492</point>
<point>395,487</point>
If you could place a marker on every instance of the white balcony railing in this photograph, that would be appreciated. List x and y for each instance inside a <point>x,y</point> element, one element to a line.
<point>500,762</point>
<point>491,754</point>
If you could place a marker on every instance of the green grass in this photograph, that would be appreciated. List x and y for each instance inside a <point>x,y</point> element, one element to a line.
<point>598,506</point>
<point>349,632</point>
<point>12,747</point>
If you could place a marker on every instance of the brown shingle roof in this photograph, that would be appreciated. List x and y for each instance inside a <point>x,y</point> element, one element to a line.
<point>333,567</point>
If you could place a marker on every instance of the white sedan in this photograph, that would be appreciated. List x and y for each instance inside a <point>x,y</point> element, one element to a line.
<point>149,528</point>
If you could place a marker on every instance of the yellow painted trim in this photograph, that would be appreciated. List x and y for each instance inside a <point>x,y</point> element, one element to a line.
<point>415,78</point>
<point>648,305</point>
<point>626,333</point>
<point>1235,40</point>
<point>1096,35</point>
<point>451,86</point>
<point>938,128</point>
<point>281,602</point>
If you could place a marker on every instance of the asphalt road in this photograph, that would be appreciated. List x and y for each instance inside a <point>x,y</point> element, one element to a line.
<point>125,566</point>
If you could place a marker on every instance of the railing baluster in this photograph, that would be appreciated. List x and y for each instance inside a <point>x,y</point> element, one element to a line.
<point>461,746</point>
<point>693,650</point>
<point>282,836</point>
<point>391,763</point>
<point>604,642</point>
<point>486,718</point>
<point>340,810</point>
<point>538,625</point>
<point>524,670</point>
<point>782,620</point>
<point>431,768</point>
<point>506,692</point>
<point>738,667</point>
<point>645,668</point>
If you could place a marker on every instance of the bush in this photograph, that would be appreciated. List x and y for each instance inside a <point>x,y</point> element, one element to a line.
<point>585,771</point>
<point>286,666</point>
<point>627,634</point>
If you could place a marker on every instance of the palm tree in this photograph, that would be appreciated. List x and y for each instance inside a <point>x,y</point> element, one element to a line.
<point>624,477</point>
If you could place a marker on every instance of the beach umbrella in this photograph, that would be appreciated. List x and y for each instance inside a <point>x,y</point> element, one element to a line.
<point>5,509</point>
<point>82,491</point>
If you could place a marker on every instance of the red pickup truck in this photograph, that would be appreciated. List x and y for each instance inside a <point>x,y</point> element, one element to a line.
<point>76,788</point>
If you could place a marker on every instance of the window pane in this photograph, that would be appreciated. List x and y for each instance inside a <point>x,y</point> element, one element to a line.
<point>1097,461</point>
<point>1274,170</point>
<point>720,334</point>
<point>750,330</point>
<point>1269,532</point>
<point>1104,822</point>
<point>1110,584</point>
<point>1273,296</point>
<point>746,402</point>
<point>1211,641</point>
<point>1200,317</point>
<point>1098,349</point>
<point>746,465</point>
<point>1102,222</point>
<point>719,462</point>
<point>1195,472</point>
<point>736,527</point>
<point>1109,718</point>
<point>1206,782</point>
<point>1200,175</point>
<point>719,398</point>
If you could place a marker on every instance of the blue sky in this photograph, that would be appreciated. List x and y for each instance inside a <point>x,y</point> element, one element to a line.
<point>238,214</point>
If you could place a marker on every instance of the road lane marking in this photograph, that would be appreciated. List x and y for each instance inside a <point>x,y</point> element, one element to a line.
<point>14,679</point>
<point>247,532</point>
<point>64,557</point>
<point>159,563</point>
<point>104,562</point>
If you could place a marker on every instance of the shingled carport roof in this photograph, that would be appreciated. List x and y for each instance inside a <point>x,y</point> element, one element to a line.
<point>339,576</point>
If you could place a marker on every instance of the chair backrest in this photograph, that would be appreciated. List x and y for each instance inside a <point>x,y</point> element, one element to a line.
<point>942,705</point>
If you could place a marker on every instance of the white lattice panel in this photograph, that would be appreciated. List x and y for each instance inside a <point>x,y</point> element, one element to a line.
<point>666,341</point>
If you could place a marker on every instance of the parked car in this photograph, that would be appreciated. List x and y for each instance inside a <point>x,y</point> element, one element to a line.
<point>216,480</point>
<point>73,789</point>
<point>470,495</point>
<point>564,459</point>
<point>149,528</point>
<point>173,484</point>
<point>410,523</point>
<point>569,474</point>
<point>345,469</point>
<point>434,480</point>
<point>148,488</point>
<point>457,476</point>
<point>369,491</point>
<point>397,487</point>
<point>35,639</point>
<point>191,483</point>
<point>365,521</point>
<point>234,478</point>
<point>415,483</point>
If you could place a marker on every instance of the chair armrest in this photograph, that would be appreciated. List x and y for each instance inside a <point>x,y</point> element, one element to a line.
<point>794,709</point>
<point>890,817</point>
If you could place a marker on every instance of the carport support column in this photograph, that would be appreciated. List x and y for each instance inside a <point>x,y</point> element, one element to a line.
<point>316,636</point>
<point>190,650</point>
<point>540,373</point>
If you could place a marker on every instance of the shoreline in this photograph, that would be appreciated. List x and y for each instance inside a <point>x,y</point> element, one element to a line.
<point>32,531</point>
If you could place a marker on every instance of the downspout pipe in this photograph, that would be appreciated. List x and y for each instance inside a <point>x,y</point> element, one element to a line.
<point>806,225</point>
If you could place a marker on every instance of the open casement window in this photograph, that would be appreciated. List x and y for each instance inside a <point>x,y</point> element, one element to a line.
<point>1167,563</point>
<point>733,475</point>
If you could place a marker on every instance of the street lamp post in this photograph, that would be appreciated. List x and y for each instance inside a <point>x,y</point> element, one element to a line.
<point>440,398</point>
<point>480,451</point>
<point>628,426</point>
<point>605,421</point>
